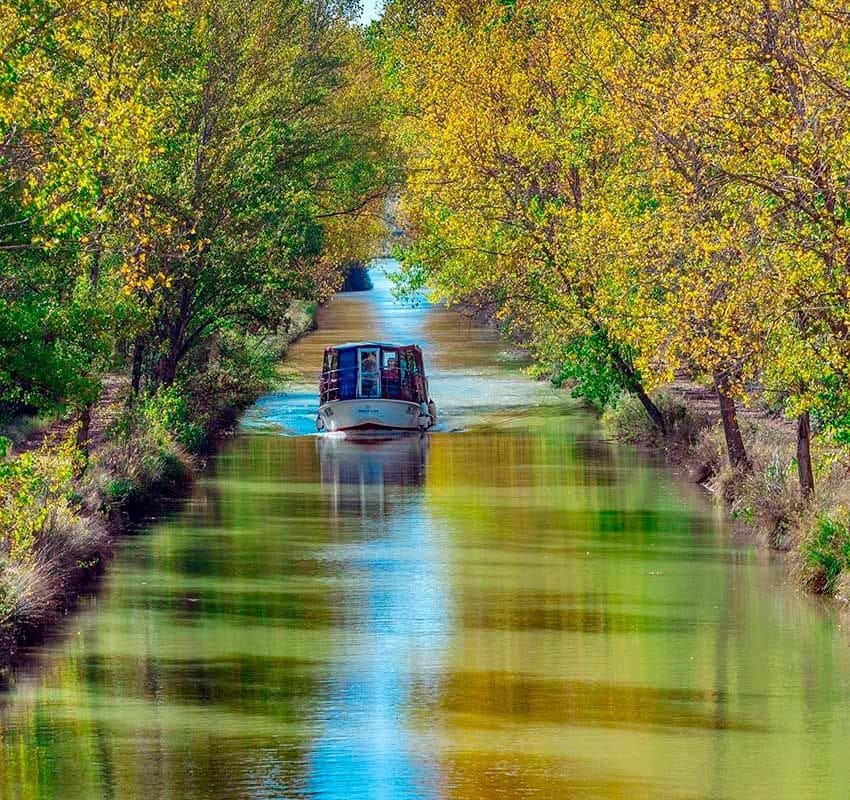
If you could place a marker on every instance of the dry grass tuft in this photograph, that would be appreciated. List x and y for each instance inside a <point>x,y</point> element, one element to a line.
<point>37,589</point>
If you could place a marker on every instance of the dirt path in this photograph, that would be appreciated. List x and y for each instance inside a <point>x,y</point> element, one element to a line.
<point>104,412</point>
<point>704,400</point>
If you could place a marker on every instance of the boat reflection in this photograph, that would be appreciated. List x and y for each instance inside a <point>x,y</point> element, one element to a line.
<point>365,475</point>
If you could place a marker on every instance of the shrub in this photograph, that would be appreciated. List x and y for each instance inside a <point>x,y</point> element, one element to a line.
<point>628,421</point>
<point>167,414</point>
<point>227,378</point>
<point>585,365</point>
<point>33,590</point>
<point>162,418</point>
<point>769,497</point>
<point>825,551</point>
<point>46,543</point>
<point>147,448</point>
<point>31,485</point>
<point>707,457</point>
<point>119,490</point>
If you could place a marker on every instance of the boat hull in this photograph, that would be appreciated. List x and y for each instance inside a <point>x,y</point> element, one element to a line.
<point>371,414</point>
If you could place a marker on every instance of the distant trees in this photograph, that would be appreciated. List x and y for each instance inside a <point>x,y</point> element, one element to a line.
<point>641,187</point>
<point>172,174</point>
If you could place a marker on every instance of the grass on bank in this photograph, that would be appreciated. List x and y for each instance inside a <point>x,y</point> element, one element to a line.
<point>46,541</point>
<point>56,509</point>
<point>18,430</point>
<point>768,499</point>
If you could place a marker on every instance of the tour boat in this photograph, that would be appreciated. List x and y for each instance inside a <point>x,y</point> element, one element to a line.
<point>374,385</point>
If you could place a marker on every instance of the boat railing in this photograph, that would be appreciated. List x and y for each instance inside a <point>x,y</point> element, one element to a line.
<point>395,384</point>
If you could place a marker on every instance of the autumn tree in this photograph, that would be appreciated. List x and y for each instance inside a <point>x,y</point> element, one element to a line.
<point>710,285</point>
<point>640,188</point>
<point>175,173</point>
<point>748,105</point>
<point>73,115</point>
<point>234,223</point>
<point>790,144</point>
<point>513,159</point>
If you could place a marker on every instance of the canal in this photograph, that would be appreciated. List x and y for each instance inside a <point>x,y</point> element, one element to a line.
<point>509,607</point>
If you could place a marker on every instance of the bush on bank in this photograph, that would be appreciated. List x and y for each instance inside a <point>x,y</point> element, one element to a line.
<point>146,452</point>
<point>627,419</point>
<point>825,553</point>
<point>57,507</point>
<point>48,536</point>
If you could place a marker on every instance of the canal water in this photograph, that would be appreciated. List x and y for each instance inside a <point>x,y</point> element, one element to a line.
<point>510,607</point>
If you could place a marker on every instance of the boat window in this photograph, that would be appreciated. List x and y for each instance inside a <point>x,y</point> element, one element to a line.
<point>391,373</point>
<point>329,384</point>
<point>390,359</point>
<point>370,374</point>
<point>413,376</point>
<point>348,371</point>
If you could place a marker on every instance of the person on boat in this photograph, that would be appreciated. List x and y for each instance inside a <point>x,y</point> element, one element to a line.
<point>392,376</point>
<point>369,375</point>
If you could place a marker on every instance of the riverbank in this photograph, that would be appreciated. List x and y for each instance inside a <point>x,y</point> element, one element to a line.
<point>71,488</point>
<point>813,533</point>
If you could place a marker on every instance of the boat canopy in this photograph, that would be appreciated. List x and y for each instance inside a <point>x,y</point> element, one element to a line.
<point>379,370</point>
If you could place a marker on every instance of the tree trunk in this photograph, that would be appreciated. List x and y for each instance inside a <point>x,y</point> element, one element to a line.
<point>168,366</point>
<point>804,455</point>
<point>138,357</point>
<point>651,409</point>
<point>167,371</point>
<point>728,414</point>
<point>634,385</point>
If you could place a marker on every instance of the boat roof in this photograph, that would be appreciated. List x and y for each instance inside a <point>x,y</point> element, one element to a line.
<point>352,345</point>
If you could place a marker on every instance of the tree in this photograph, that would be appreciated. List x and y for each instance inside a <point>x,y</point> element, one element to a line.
<point>175,172</point>
<point>750,101</point>
<point>263,159</point>
<point>513,157</point>
<point>791,147</point>
<point>55,328</point>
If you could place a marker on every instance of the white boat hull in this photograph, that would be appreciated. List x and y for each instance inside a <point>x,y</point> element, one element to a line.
<point>401,415</point>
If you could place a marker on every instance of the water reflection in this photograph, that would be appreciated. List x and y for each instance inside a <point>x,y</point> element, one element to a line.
<point>368,475</point>
<point>401,619</point>
<point>521,610</point>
